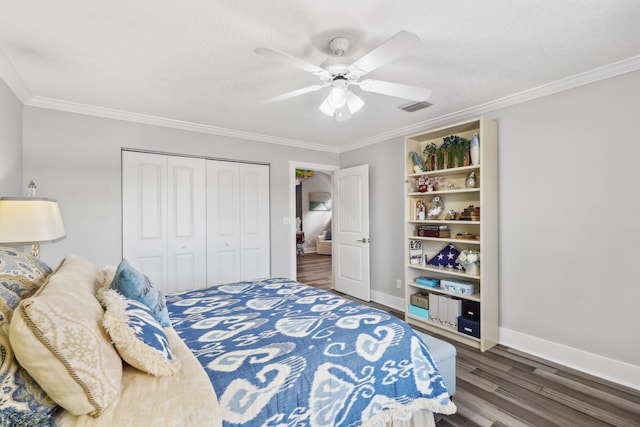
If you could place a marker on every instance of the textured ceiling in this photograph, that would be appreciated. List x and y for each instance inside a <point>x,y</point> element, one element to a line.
<point>192,64</point>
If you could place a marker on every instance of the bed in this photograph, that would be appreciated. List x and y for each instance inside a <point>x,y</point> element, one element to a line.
<point>270,352</point>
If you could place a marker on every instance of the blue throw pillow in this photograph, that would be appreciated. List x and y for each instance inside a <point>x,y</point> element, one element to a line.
<point>133,284</point>
<point>328,235</point>
<point>137,335</point>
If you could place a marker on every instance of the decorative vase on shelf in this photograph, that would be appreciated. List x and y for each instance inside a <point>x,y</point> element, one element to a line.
<point>431,162</point>
<point>472,269</point>
<point>474,149</point>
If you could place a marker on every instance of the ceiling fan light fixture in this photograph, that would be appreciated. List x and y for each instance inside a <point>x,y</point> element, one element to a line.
<point>354,102</point>
<point>326,108</point>
<point>343,114</point>
<point>338,95</point>
<point>352,105</point>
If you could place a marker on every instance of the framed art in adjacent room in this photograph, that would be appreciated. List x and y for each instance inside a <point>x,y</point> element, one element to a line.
<point>320,201</point>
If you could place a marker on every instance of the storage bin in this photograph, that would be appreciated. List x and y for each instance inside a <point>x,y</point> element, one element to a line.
<point>428,281</point>
<point>419,311</point>
<point>459,286</point>
<point>469,327</point>
<point>471,310</point>
<point>420,300</point>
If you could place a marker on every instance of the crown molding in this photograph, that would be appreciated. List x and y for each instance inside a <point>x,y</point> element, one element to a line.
<point>14,81</point>
<point>601,73</point>
<point>74,107</point>
<point>10,75</point>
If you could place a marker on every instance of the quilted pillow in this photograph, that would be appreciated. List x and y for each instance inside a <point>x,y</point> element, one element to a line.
<point>23,400</point>
<point>137,335</point>
<point>133,284</point>
<point>57,336</point>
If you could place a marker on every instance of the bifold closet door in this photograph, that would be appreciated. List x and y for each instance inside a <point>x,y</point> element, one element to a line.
<point>187,226</point>
<point>237,222</point>
<point>255,259</point>
<point>164,218</point>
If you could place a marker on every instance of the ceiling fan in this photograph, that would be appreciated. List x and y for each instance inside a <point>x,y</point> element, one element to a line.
<point>341,72</point>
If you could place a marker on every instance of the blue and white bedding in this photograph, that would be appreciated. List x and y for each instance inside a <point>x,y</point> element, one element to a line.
<point>281,353</point>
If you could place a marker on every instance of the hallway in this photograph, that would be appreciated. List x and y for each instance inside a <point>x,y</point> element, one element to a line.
<point>315,270</point>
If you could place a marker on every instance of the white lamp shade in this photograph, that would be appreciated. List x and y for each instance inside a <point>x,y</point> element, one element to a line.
<point>342,113</point>
<point>29,220</point>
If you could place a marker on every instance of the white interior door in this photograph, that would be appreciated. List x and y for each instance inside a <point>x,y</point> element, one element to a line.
<point>351,232</point>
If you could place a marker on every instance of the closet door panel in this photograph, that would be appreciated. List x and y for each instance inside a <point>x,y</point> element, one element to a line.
<point>144,214</point>
<point>187,231</point>
<point>255,221</point>
<point>223,222</point>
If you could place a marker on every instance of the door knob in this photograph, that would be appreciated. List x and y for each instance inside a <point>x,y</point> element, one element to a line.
<point>363,240</point>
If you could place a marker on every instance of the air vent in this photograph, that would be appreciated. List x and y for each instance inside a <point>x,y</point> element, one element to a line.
<point>415,106</point>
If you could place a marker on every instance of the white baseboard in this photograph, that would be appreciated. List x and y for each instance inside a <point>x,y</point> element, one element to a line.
<point>593,364</point>
<point>388,300</point>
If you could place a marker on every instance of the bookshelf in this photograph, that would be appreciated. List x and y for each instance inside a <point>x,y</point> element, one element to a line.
<point>456,230</point>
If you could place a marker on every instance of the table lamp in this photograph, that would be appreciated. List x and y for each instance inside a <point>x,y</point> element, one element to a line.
<point>30,221</point>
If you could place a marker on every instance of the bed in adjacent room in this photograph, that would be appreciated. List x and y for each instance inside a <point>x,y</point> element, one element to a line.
<point>270,352</point>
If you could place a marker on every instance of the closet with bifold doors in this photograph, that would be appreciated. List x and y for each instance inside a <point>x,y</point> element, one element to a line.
<point>191,222</point>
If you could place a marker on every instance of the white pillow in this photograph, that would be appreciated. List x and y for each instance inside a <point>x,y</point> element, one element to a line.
<point>57,336</point>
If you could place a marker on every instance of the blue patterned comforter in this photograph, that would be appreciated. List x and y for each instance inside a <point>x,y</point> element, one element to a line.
<point>280,353</point>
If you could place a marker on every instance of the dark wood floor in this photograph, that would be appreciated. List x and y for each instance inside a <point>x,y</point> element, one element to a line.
<point>506,387</point>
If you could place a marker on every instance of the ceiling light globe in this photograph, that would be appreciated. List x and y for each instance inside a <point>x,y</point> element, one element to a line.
<point>337,97</point>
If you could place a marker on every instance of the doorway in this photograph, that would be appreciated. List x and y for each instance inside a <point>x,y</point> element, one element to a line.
<point>316,221</point>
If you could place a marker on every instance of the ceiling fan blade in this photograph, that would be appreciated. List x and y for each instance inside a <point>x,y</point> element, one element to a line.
<point>292,60</point>
<point>398,45</point>
<point>294,93</point>
<point>398,90</point>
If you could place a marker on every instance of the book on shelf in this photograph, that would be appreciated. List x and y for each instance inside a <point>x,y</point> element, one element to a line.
<point>417,209</point>
<point>434,230</point>
<point>434,233</point>
<point>433,227</point>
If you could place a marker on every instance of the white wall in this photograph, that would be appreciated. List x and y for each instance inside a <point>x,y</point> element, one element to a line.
<point>76,159</point>
<point>10,143</point>
<point>569,209</point>
<point>314,222</point>
<point>569,224</point>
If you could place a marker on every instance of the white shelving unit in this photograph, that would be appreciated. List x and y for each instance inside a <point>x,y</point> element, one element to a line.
<point>484,195</point>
